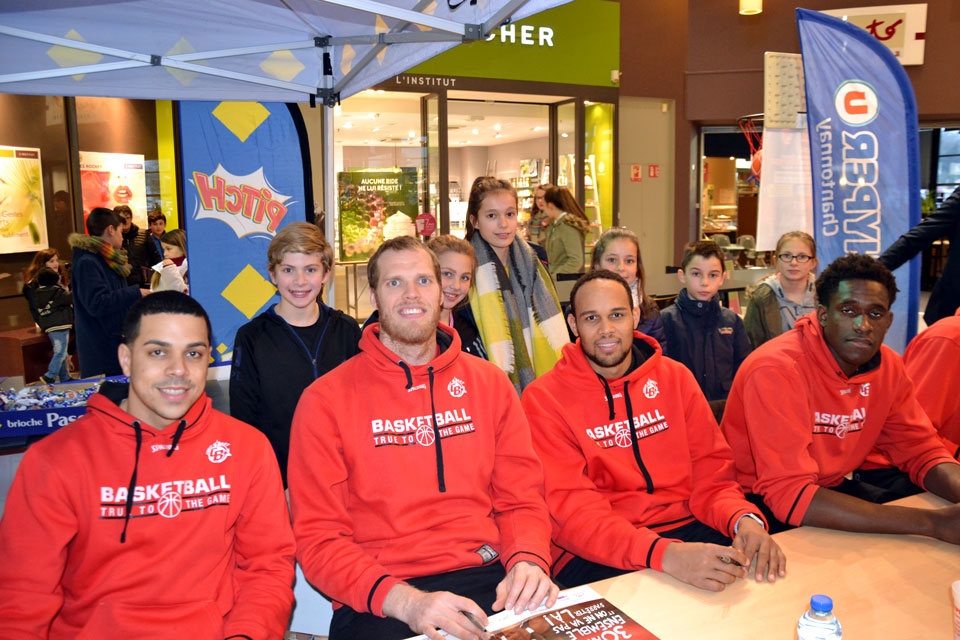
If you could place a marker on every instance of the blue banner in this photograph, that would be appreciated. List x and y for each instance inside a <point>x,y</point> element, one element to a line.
<point>864,151</point>
<point>243,180</point>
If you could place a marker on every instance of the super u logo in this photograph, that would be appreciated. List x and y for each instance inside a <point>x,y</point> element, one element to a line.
<point>856,103</point>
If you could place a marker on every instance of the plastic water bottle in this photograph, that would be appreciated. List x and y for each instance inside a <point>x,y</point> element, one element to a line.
<point>819,623</point>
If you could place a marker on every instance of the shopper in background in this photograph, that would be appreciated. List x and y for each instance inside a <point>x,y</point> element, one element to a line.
<point>782,297</point>
<point>618,250</point>
<point>661,491</point>
<point>566,232</point>
<point>173,275</point>
<point>458,267</point>
<point>158,226</point>
<point>281,351</point>
<point>134,243</point>
<point>52,309</point>
<point>537,225</point>
<point>513,299</point>
<point>942,223</point>
<point>415,491</point>
<point>153,515</point>
<point>101,295</point>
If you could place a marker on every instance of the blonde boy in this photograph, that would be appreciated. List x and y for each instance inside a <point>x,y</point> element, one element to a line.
<point>280,352</point>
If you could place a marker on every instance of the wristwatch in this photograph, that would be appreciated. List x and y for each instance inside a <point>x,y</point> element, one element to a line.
<point>753,517</point>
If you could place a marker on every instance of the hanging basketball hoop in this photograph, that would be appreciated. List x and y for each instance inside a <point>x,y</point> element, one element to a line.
<point>752,128</point>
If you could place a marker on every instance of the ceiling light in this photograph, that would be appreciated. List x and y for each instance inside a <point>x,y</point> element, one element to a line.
<point>499,135</point>
<point>475,132</point>
<point>348,125</point>
<point>497,127</point>
<point>564,135</point>
<point>411,133</point>
<point>375,129</point>
<point>751,7</point>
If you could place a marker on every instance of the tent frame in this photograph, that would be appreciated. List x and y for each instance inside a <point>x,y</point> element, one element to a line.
<point>436,30</point>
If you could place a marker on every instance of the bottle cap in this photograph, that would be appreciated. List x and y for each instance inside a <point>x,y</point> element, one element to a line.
<point>821,603</point>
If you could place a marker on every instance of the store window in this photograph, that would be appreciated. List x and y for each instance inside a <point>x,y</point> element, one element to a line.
<point>948,163</point>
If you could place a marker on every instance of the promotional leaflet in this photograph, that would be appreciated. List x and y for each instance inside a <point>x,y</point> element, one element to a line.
<point>579,614</point>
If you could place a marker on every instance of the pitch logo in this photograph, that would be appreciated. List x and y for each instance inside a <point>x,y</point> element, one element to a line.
<point>218,452</point>
<point>457,388</point>
<point>856,103</point>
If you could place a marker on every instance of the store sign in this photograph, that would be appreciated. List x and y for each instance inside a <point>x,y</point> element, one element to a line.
<point>23,226</point>
<point>525,34</point>
<point>901,28</point>
<point>425,81</point>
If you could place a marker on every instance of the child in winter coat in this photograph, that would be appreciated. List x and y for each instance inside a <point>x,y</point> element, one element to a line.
<point>55,317</point>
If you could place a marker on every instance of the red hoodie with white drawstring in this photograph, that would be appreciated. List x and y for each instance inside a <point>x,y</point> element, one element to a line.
<point>200,549</point>
<point>399,471</point>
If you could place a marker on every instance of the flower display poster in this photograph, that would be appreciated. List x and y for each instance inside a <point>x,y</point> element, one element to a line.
<point>23,224</point>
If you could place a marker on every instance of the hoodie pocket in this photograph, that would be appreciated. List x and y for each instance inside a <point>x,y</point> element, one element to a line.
<point>193,620</point>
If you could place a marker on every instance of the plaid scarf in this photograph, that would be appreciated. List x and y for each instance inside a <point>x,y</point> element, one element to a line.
<point>115,258</point>
<point>517,312</point>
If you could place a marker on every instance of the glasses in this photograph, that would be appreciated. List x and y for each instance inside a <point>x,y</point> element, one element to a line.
<point>801,258</point>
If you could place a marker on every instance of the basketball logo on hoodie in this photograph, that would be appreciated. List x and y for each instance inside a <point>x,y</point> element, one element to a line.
<point>457,388</point>
<point>218,452</point>
<point>650,389</point>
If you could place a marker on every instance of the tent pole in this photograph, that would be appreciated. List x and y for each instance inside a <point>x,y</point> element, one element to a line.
<point>329,194</point>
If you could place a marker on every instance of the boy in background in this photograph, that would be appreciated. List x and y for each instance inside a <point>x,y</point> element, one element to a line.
<point>706,337</point>
<point>280,352</point>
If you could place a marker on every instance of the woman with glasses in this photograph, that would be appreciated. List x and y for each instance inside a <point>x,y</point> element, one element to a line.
<point>781,298</point>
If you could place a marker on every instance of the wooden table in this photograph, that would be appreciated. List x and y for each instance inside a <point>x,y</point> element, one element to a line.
<point>883,586</point>
<point>24,352</point>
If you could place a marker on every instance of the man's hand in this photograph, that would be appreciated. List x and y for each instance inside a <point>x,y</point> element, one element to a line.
<point>525,587</point>
<point>431,612</point>
<point>701,564</point>
<point>753,540</point>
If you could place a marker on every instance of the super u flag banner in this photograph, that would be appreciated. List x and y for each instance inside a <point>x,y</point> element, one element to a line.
<point>864,151</point>
<point>243,179</point>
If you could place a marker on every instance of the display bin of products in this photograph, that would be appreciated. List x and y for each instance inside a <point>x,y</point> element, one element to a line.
<point>38,410</point>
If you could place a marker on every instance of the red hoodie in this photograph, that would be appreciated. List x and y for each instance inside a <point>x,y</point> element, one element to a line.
<point>932,358</point>
<point>208,551</point>
<point>378,498</point>
<point>608,501</point>
<point>796,422</point>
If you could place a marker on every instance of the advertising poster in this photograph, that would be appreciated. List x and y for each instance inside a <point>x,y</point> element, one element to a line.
<point>111,179</point>
<point>375,205</point>
<point>864,152</point>
<point>579,614</point>
<point>243,181</point>
<point>23,224</point>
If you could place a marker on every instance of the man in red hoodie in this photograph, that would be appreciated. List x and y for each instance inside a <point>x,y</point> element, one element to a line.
<point>637,473</point>
<point>153,515</point>
<point>416,495</point>
<point>808,407</point>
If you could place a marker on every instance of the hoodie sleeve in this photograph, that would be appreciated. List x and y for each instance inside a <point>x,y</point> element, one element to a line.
<point>264,548</point>
<point>770,429</point>
<point>38,525</point>
<point>245,400</point>
<point>716,499</point>
<point>927,361</point>
<point>517,487</point>
<point>584,521</point>
<point>908,438</point>
<point>317,476</point>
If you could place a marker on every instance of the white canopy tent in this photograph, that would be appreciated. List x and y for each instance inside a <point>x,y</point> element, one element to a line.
<point>263,50</point>
<point>247,50</point>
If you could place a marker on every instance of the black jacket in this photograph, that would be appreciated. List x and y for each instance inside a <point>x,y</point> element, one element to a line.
<point>942,223</point>
<point>272,366</point>
<point>54,308</point>
<point>135,244</point>
<point>708,339</point>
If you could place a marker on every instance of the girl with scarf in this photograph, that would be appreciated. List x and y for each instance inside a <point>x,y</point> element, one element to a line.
<point>513,300</point>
